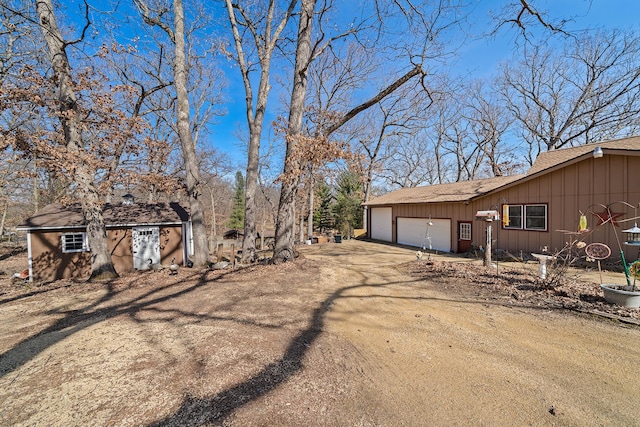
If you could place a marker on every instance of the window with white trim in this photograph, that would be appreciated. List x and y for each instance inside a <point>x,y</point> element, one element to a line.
<point>535,217</point>
<point>74,242</point>
<point>527,217</point>
<point>515,217</point>
<point>465,231</point>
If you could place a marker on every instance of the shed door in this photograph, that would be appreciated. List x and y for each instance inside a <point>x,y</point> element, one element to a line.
<point>146,246</point>
<point>381,224</point>
<point>418,232</point>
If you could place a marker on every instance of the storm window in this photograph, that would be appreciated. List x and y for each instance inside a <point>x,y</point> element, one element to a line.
<point>74,242</point>
<point>527,217</point>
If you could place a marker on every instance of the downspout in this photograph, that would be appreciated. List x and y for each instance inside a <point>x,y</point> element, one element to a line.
<point>185,251</point>
<point>29,257</point>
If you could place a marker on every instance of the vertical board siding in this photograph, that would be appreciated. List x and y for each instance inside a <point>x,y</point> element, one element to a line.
<point>49,263</point>
<point>567,191</point>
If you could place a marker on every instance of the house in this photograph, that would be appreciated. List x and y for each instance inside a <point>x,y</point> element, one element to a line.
<point>139,234</point>
<point>543,206</point>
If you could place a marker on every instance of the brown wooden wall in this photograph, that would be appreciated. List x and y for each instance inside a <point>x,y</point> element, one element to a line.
<point>49,263</point>
<point>567,191</point>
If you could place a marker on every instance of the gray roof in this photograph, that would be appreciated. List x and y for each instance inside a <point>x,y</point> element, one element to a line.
<point>56,216</point>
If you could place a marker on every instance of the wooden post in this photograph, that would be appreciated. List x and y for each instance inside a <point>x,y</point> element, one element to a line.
<point>219,252</point>
<point>233,255</point>
<point>487,249</point>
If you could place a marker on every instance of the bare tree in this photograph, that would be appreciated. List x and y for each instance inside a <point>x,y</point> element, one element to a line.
<point>489,121</point>
<point>393,122</point>
<point>176,32</point>
<point>256,34</point>
<point>588,92</point>
<point>84,175</point>
<point>525,18</point>
<point>427,22</point>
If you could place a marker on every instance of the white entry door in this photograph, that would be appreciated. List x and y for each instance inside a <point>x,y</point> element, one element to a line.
<point>146,246</point>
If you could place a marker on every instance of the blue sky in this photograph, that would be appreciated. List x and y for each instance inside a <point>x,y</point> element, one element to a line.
<point>484,54</point>
<point>479,55</point>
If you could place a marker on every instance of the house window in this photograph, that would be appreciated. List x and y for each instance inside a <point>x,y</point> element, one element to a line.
<point>535,217</point>
<point>527,217</point>
<point>74,242</point>
<point>515,216</point>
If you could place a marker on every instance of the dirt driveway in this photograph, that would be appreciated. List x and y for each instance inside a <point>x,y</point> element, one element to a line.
<point>341,337</point>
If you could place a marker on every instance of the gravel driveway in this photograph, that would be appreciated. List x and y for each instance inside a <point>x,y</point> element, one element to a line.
<point>340,337</point>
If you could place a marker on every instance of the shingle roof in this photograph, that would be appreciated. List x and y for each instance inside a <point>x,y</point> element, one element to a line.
<point>553,158</point>
<point>59,216</point>
<point>468,190</point>
<point>453,192</point>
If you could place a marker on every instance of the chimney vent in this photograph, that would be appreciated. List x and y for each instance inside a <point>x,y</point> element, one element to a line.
<point>128,199</point>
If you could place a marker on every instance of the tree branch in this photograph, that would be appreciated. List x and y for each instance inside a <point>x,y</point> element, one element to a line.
<point>416,70</point>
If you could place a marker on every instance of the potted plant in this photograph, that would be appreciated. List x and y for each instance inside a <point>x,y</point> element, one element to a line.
<point>624,295</point>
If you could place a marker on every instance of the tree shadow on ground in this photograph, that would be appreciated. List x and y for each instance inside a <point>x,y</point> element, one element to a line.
<point>80,319</point>
<point>214,410</point>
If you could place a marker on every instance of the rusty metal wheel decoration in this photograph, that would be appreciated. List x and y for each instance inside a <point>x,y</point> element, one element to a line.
<point>598,251</point>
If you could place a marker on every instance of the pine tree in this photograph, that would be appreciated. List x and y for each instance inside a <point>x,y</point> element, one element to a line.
<point>236,219</point>
<point>323,215</point>
<point>348,209</point>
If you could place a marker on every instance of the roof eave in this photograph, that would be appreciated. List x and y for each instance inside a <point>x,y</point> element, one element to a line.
<point>83,226</point>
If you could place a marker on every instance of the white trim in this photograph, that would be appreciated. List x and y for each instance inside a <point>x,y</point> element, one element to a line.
<point>83,227</point>
<point>546,215</point>
<point>85,242</point>
<point>466,234</point>
<point>523,217</point>
<point>29,256</point>
<point>513,227</point>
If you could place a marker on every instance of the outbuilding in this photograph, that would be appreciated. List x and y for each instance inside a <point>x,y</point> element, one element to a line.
<point>543,206</point>
<point>139,235</point>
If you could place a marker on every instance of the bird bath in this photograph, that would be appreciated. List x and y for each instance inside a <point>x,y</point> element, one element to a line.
<point>542,269</point>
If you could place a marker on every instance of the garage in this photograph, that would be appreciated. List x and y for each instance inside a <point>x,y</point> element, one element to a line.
<point>418,232</point>
<point>381,224</point>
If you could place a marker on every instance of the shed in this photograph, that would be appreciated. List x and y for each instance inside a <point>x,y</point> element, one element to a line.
<point>138,234</point>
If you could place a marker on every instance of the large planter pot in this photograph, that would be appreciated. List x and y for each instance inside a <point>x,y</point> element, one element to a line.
<point>621,295</point>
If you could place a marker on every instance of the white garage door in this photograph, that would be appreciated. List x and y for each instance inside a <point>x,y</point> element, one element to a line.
<point>381,224</point>
<point>417,232</point>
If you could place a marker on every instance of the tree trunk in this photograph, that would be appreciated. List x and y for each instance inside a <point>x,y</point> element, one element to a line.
<point>101,262</point>
<point>212,235</point>
<point>200,241</point>
<point>4,217</point>
<point>284,249</point>
<point>310,217</point>
<point>301,229</point>
<point>251,188</point>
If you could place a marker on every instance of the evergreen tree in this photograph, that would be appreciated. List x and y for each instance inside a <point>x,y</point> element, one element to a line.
<point>348,209</point>
<point>323,215</point>
<point>236,219</point>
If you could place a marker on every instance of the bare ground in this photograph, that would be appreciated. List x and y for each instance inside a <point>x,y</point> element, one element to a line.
<point>351,334</point>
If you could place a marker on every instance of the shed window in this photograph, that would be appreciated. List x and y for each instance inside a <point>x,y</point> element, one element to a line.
<point>74,242</point>
<point>527,217</point>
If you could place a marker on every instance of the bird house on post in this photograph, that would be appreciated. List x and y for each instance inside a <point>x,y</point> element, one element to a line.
<point>489,217</point>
